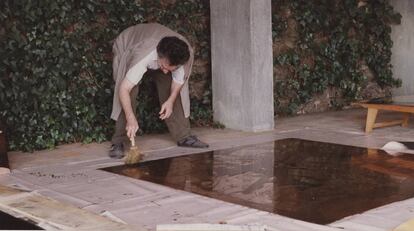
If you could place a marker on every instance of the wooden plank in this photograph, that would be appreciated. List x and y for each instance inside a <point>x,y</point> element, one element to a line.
<point>210,227</point>
<point>388,107</point>
<point>371,117</point>
<point>406,226</point>
<point>54,215</point>
<point>388,123</point>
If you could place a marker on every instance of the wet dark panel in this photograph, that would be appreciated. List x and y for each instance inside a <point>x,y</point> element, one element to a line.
<point>4,161</point>
<point>9,222</point>
<point>311,181</point>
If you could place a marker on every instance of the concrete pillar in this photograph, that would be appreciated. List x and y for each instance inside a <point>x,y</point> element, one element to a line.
<point>242,64</point>
<point>403,48</point>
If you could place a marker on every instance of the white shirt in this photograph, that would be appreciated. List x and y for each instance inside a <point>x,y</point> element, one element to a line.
<point>134,75</point>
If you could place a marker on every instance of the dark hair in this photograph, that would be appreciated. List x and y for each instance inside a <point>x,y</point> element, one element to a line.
<point>174,49</point>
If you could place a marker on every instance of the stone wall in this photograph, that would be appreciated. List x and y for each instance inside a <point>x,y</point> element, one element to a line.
<point>403,49</point>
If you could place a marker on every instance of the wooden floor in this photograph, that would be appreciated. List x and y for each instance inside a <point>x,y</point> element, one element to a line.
<point>69,175</point>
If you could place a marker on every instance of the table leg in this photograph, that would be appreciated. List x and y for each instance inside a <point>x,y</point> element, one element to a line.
<point>405,119</point>
<point>371,116</point>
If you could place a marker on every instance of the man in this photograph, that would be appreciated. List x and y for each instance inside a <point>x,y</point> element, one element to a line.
<point>152,51</point>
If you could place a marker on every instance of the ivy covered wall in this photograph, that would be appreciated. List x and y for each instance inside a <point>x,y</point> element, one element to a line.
<point>328,53</point>
<point>56,81</point>
<point>55,74</point>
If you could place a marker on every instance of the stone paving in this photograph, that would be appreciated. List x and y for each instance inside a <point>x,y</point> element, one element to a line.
<point>70,175</point>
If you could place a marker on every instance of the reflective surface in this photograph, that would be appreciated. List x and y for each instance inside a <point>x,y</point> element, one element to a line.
<point>4,162</point>
<point>306,180</point>
<point>8,222</point>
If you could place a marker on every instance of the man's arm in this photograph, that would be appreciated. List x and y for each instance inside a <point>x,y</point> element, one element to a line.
<point>125,98</point>
<point>167,106</point>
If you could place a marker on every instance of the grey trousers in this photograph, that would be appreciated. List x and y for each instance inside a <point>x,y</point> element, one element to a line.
<point>178,125</point>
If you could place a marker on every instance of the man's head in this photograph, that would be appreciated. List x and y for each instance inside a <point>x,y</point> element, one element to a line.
<point>172,52</point>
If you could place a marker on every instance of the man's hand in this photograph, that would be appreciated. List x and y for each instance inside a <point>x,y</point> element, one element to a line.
<point>131,127</point>
<point>124,96</point>
<point>167,106</point>
<point>166,109</point>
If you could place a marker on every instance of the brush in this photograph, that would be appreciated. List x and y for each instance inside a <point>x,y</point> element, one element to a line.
<point>134,155</point>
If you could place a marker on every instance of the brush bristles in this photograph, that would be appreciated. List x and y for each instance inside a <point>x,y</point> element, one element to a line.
<point>133,156</point>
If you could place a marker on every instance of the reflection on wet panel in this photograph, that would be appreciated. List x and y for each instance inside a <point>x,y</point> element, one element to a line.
<point>311,181</point>
<point>9,222</point>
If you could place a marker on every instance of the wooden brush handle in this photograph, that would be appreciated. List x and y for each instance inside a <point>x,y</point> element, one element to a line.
<point>132,141</point>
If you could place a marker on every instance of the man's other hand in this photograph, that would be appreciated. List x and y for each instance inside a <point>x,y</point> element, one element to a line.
<point>166,110</point>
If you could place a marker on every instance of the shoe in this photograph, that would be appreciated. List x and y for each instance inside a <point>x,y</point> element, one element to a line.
<point>192,142</point>
<point>117,151</point>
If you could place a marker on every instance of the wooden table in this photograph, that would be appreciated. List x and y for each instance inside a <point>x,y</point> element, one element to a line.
<point>373,109</point>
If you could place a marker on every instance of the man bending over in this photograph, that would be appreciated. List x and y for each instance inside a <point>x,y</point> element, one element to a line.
<point>152,51</point>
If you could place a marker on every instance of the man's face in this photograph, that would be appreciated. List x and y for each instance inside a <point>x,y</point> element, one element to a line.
<point>165,65</point>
